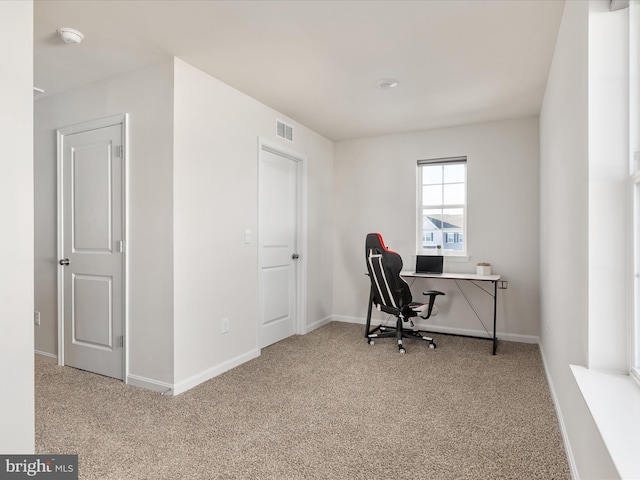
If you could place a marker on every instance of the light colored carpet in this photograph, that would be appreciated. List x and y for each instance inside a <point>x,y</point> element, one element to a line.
<point>320,406</point>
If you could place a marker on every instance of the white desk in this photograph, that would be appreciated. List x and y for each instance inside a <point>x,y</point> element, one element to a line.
<point>468,277</point>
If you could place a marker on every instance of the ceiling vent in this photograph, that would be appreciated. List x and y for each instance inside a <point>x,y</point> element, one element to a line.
<point>284,130</point>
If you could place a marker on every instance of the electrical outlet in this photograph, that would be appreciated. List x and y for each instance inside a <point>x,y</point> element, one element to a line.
<point>36,318</point>
<point>225,325</point>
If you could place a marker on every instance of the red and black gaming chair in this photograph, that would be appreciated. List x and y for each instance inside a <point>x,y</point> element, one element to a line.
<point>391,294</point>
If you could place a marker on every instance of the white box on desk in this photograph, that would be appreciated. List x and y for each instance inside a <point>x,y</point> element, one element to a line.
<point>483,269</point>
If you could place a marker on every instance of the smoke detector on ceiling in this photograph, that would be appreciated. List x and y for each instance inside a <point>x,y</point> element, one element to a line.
<point>70,35</point>
<point>387,83</point>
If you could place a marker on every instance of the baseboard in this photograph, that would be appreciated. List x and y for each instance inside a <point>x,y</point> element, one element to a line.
<point>346,319</point>
<point>515,337</point>
<point>46,357</point>
<point>509,337</point>
<point>563,429</point>
<point>318,324</point>
<point>212,372</point>
<point>150,384</point>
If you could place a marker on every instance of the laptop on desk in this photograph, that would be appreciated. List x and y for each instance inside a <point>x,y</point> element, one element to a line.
<point>429,264</point>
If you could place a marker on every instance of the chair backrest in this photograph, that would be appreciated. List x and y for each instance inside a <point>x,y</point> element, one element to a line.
<point>390,291</point>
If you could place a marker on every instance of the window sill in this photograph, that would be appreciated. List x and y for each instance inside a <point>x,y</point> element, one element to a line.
<point>456,258</point>
<point>635,375</point>
<point>614,403</point>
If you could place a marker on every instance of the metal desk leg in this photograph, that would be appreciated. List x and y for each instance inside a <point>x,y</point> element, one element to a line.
<point>495,307</point>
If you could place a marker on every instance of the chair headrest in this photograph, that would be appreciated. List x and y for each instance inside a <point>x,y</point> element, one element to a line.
<point>375,241</point>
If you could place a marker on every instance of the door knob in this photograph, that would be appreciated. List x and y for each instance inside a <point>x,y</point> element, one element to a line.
<point>64,262</point>
<point>295,256</point>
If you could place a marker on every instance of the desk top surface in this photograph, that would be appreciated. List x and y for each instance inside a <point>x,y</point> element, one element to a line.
<point>452,276</point>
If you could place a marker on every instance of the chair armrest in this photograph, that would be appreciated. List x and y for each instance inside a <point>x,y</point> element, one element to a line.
<point>433,292</point>
<point>432,299</point>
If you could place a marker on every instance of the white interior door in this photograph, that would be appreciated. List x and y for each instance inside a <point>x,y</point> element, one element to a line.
<point>278,225</point>
<point>92,241</point>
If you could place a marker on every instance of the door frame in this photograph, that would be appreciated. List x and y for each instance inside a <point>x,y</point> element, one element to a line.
<point>301,234</point>
<point>122,120</point>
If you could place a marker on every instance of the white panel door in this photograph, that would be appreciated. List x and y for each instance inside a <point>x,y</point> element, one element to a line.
<point>92,234</point>
<point>278,197</point>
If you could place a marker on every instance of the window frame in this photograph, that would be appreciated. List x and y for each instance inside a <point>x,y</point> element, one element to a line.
<point>420,207</point>
<point>634,369</point>
<point>634,198</point>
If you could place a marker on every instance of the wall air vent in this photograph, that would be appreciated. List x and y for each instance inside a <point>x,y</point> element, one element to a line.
<point>284,130</point>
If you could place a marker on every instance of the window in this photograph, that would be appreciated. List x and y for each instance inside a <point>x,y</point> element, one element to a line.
<point>442,193</point>
<point>635,179</point>
<point>634,137</point>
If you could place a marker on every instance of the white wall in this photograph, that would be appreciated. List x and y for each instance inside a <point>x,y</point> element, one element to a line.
<point>375,191</point>
<point>564,213</point>
<point>192,191</point>
<point>16,218</point>
<point>147,96</point>
<point>215,200</point>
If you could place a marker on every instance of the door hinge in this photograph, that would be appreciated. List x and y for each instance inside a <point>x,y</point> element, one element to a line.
<point>121,341</point>
<point>121,246</point>
<point>119,151</point>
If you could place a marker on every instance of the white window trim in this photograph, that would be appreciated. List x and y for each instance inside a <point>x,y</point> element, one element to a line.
<point>634,201</point>
<point>456,256</point>
<point>634,333</point>
<point>613,399</point>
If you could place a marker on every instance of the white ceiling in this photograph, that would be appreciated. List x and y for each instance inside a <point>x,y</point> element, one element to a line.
<point>457,61</point>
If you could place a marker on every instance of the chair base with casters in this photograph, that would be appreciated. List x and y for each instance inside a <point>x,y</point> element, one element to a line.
<point>391,294</point>
<point>400,332</point>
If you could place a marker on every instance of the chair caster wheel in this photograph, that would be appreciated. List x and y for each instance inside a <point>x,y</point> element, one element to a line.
<point>402,350</point>
<point>432,345</point>
<point>370,342</point>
